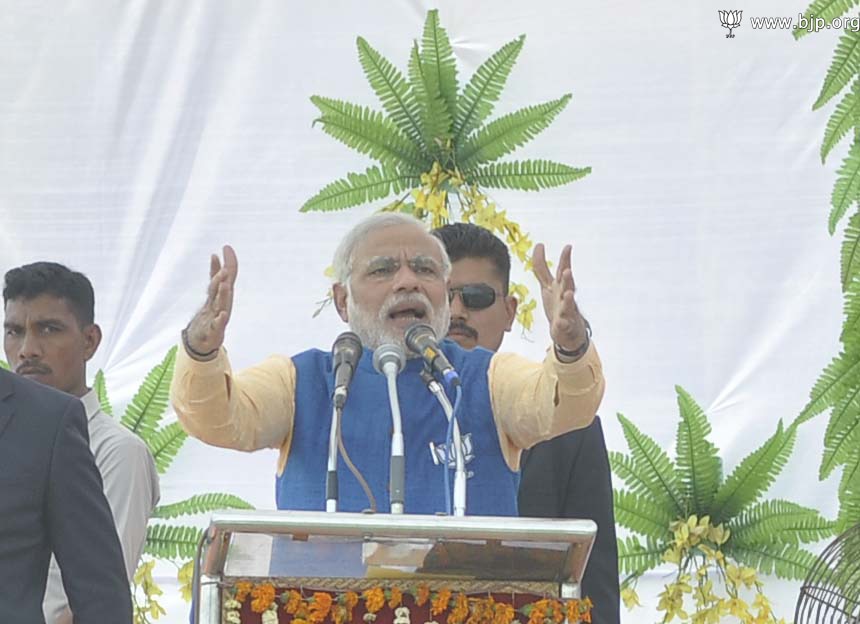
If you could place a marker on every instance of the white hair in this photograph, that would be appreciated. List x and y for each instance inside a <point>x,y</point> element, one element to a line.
<point>343,255</point>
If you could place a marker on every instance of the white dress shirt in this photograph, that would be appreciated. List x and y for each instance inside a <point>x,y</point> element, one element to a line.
<point>131,487</point>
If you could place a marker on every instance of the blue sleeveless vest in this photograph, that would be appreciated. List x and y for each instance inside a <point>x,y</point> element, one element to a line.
<point>366,429</point>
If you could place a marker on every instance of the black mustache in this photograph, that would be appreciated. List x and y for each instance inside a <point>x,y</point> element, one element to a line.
<point>32,367</point>
<point>462,327</point>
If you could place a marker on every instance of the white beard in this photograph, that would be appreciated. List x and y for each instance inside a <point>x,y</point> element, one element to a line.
<point>374,331</point>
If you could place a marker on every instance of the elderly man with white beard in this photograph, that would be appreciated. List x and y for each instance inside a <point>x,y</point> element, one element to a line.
<point>390,273</point>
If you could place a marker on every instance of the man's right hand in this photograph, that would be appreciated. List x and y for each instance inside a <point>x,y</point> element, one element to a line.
<point>206,330</point>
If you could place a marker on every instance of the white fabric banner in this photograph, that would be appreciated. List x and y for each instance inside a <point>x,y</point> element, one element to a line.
<point>137,137</point>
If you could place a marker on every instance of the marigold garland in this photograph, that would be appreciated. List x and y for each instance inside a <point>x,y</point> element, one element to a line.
<point>321,607</point>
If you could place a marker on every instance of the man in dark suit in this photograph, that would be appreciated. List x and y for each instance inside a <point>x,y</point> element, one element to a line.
<point>568,476</point>
<point>51,499</point>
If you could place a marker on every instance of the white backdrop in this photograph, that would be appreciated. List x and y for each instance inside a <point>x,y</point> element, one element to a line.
<point>137,137</point>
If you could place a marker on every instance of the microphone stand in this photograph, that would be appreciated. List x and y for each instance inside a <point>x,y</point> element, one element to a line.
<point>331,475</point>
<point>397,482</point>
<point>459,455</point>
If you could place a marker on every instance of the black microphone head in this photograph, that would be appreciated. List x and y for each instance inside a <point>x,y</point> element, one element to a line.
<point>388,353</point>
<point>416,337</point>
<point>347,348</point>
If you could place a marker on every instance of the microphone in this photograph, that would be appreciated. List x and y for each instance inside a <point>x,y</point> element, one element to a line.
<point>421,339</point>
<point>345,354</point>
<point>389,360</point>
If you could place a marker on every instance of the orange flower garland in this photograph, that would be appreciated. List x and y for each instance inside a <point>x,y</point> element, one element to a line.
<point>263,596</point>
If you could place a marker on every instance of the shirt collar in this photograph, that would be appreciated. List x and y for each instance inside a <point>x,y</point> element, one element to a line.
<point>91,403</point>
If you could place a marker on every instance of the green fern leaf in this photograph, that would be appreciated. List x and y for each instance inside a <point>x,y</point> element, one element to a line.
<point>172,542</point>
<point>436,120</point>
<point>641,514</point>
<point>360,188</point>
<point>849,494</point>
<point>484,88</point>
<point>527,175</point>
<point>846,191</point>
<point>843,68</point>
<point>825,9</point>
<point>392,89</point>
<point>200,503</point>
<point>836,381</point>
<point>508,133</point>
<point>625,468</point>
<point>841,121</point>
<point>653,465</point>
<point>850,260</point>
<point>367,132</point>
<point>101,392</point>
<point>698,463</point>
<point>785,560</point>
<point>636,558</point>
<point>754,475</point>
<point>843,433</point>
<point>782,522</point>
<point>164,444</point>
<point>4,365</point>
<point>437,61</point>
<point>149,404</point>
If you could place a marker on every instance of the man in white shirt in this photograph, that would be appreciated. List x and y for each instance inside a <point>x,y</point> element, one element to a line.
<point>49,335</point>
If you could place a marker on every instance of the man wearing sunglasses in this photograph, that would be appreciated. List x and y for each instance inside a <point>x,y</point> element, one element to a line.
<point>568,476</point>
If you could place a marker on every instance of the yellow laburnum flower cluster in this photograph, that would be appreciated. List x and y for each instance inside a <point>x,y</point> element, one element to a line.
<point>144,595</point>
<point>691,596</point>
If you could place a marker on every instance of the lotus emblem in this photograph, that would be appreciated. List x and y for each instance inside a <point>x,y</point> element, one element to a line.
<point>730,20</point>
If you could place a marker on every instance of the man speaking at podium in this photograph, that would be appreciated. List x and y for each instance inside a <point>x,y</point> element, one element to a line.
<point>391,273</point>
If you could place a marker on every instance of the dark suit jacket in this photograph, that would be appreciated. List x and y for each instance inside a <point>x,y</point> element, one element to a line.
<point>569,477</point>
<point>51,499</point>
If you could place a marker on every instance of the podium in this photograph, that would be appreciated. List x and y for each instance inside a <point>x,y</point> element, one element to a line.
<point>299,552</point>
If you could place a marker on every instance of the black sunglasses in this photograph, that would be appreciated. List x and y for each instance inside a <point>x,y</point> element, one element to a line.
<point>474,296</point>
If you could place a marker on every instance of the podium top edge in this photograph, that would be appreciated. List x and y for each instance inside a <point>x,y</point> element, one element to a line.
<point>402,526</point>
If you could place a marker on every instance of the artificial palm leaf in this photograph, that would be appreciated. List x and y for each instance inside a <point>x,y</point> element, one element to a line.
<point>101,392</point>
<point>849,493</point>
<point>635,558</point>
<point>164,445</point>
<point>641,514</point>
<point>785,560</point>
<point>149,404</point>
<point>835,382</point>
<point>172,542</point>
<point>841,121</point>
<point>360,188</point>
<point>200,503</point>
<point>843,433</point>
<point>393,91</point>
<point>825,9</point>
<point>507,133</point>
<point>843,68</point>
<point>653,465</point>
<point>754,475</point>
<point>850,256</point>
<point>435,117</point>
<point>625,468</point>
<point>527,175</point>
<point>367,132</point>
<point>437,61</point>
<point>4,365</point>
<point>781,521</point>
<point>846,191</point>
<point>484,88</point>
<point>698,464</point>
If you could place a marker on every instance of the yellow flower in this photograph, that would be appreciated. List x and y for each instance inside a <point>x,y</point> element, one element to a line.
<point>374,599</point>
<point>630,598</point>
<point>440,602</point>
<point>320,607</point>
<point>396,598</point>
<point>186,577</point>
<point>263,596</point>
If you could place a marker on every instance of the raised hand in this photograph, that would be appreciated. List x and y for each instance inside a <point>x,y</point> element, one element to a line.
<point>205,333</point>
<point>566,325</point>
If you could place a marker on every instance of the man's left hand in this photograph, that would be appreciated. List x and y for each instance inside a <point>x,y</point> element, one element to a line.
<point>566,325</point>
